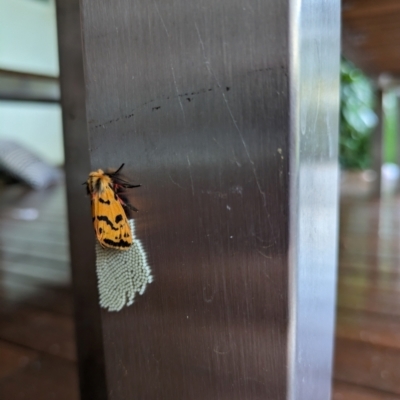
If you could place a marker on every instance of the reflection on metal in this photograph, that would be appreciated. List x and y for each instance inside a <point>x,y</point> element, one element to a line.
<point>314,92</point>
<point>20,86</point>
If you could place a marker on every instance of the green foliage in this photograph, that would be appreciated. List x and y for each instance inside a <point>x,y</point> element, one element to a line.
<point>357,118</point>
<point>390,127</point>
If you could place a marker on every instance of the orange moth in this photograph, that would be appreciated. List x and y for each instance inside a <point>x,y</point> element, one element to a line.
<point>110,208</point>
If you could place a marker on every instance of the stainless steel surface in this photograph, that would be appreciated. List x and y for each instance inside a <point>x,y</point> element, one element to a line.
<point>206,102</point>
<point>314,37</point>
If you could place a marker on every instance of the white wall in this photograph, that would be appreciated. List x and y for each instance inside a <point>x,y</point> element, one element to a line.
<point>28,36</point>
<point>36,126</point>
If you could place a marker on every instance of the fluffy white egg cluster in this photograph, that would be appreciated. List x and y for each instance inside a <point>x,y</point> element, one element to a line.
<point>122,274</point>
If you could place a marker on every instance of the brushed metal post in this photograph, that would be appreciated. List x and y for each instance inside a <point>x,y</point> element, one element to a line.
<point>314,31</point>
<point>227,113</point>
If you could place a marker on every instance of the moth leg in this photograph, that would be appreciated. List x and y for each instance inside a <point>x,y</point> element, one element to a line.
<point>126,204</point>
<point>130,206</point>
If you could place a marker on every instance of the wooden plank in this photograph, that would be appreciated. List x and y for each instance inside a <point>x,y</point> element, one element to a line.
<point>39,330</point>
<point>348,391</point>
<point>368,365</point>
<point>55,273</point>
<point>385,281</point>
<point>372,328</point>
<point>36,229</point>
<point>14,358</point>
<point>371,35</point>
<point>53,298</point>
<point>385,246</point>
<point>34,247</point>
<point>370,261</point>
<point>373,301</point>
<point>45,378</point>
<point>57,232</point>
<point>45,250</point>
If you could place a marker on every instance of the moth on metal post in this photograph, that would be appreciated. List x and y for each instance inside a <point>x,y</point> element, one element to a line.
<point>110,208</point>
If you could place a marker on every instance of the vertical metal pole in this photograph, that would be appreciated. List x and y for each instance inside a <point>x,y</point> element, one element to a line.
<point>77,165</point>
<point>377,145</point>
<point>227,114</point>
<point>314,31</point>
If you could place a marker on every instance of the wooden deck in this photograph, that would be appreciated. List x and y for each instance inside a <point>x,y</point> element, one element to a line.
<point>37,349</point>
<point>37,353</point>
<point>367,364</point>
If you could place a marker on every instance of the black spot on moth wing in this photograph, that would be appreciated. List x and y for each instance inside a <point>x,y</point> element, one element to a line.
<point>104,201</point>
<point>107,221</point>
<point>100,230</point>
<point>118,218</point>
<point>120,243</point>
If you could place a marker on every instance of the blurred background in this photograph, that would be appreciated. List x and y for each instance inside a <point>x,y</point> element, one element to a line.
<point>37,350</point>
<point>37,346</point>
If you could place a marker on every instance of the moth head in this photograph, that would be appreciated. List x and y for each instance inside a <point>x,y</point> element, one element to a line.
<point>96,174</point>
<point>97,181</point>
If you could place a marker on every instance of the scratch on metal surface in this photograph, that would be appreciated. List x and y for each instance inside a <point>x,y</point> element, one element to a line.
<point>249,378</point>
<point>170,59</point>
<point>190,174</point>
<point>216,351</point>
<point>220,145</point>
<point>175,183</point>
<point>233,153</point>
<point>176,89</point>
<point>207,63</point>
<point>164,97</point>
<point>205,298</point>
<point>264,255</point>
<point>318,83</point>
<point>271,245</point>
<point>200,39</point>
<point>236,189</point>
<point>162,20</point>
<point>246,150</point>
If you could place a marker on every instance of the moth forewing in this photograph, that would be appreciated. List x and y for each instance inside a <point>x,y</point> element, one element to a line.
<point>110,208</point>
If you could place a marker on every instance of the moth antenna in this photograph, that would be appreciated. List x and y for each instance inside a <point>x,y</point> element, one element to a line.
<point>119,169</point>
<point>127,185</point>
